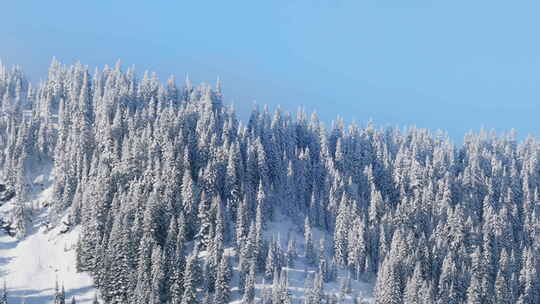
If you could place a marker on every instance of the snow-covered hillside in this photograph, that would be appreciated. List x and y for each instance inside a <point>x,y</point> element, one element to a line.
<point>171,199</point>
<point>31,266</point>
<point>300,275</point>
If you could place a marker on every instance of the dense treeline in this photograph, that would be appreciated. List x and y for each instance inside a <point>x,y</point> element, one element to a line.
<point>163,178</point>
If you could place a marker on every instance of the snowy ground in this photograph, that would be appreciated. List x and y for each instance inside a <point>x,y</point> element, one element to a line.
<point>282,227</point>
<point>31,266</point>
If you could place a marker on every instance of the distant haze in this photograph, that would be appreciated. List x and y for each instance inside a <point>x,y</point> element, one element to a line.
<point>451,65</point>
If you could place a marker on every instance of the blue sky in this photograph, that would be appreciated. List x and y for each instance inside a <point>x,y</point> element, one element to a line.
<point>452,65</point>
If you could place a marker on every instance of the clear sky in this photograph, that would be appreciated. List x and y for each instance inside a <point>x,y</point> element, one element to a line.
<point>453,65</point>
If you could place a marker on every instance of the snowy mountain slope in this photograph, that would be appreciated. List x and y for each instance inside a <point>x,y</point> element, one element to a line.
<point>300,276</point>
<point>31,266</point>
<point>162,178</point>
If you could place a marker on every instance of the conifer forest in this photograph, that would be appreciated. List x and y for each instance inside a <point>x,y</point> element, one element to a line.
<point>172,198</point>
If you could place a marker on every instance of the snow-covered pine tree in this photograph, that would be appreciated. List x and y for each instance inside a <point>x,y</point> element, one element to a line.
<point>222,285</point>
<point>387,289</point>
<point>310,254</point>
<point>191,278</point>
<point>249,289</point>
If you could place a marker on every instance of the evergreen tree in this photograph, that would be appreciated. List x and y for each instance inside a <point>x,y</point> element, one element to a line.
<point>529,280</point>
<point>291,254</point>
<point>308,237</point>
<point>189,195</point>
<point>503,294</point>
<point>476,292</point>
<point>222,293</point>
<point>20,219</point>
<point>159,291</point>
<point>387,289</point>
<point>59,295</point>
<point>249,289</point>
<point>190,279</point>
<point>258,241</point>
<point>316,293</point>
<point>414,284</point>
<point>341,232</point>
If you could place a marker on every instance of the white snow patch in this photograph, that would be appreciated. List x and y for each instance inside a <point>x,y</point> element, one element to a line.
<point>283,227</point>
<point>31,266</point>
